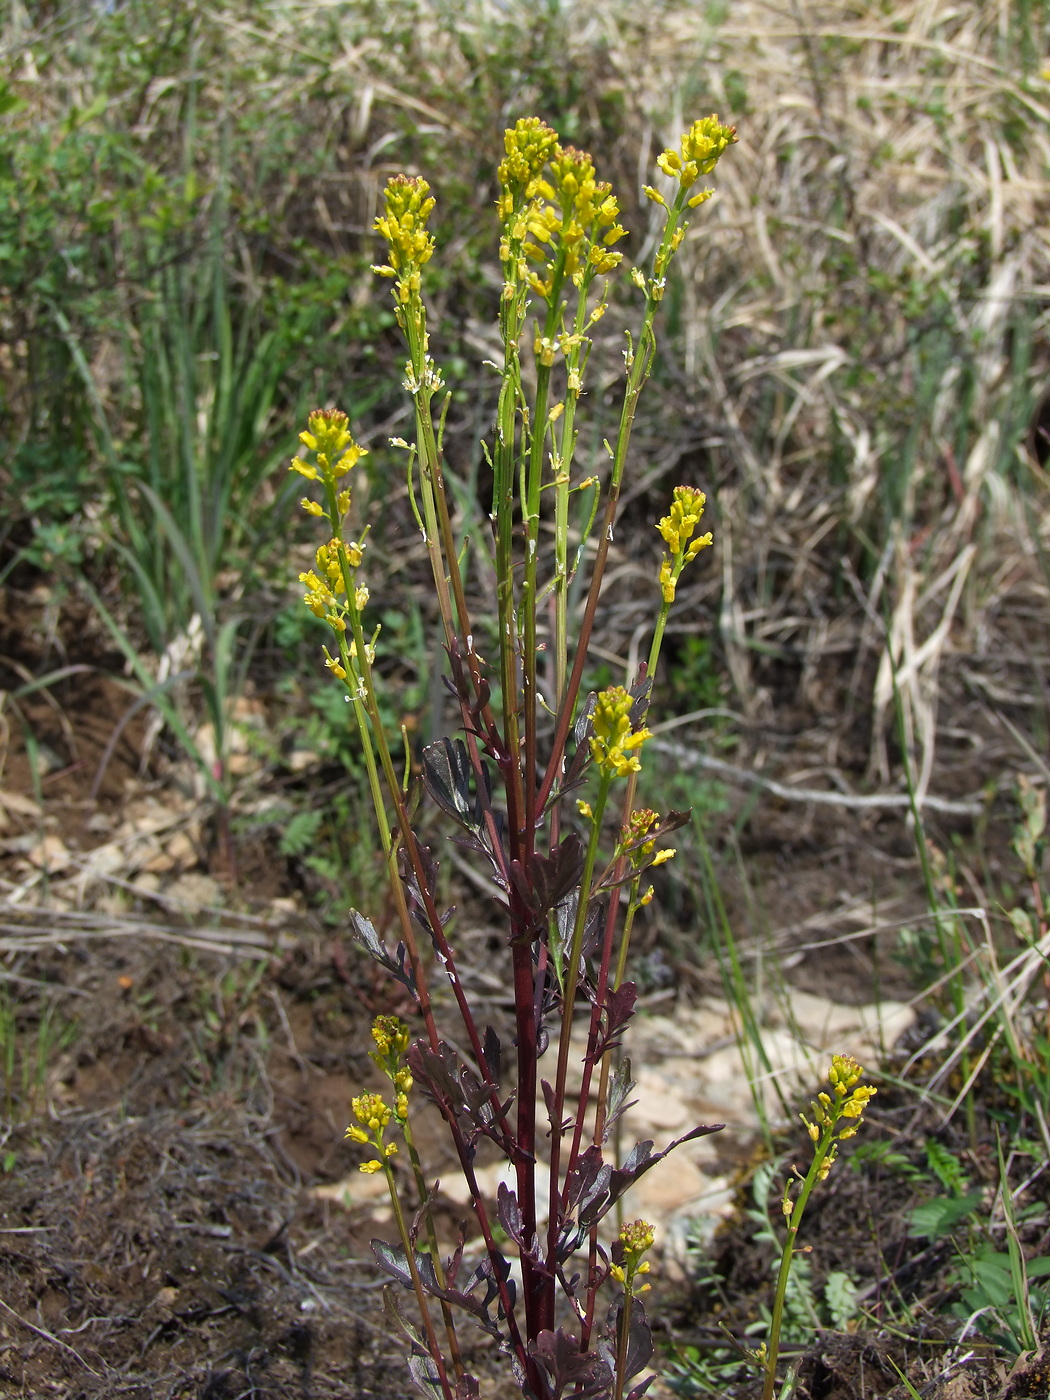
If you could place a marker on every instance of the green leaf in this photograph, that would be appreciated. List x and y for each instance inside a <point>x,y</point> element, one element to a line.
<point>9,102</point>
<point>840,1297</point>
<point>939,1217</point>
<point>946,1168</point>
<point>301,833</point>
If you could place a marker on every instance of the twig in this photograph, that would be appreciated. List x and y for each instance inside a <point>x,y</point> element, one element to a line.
<point>48,1336</point>
<point>745,776</point>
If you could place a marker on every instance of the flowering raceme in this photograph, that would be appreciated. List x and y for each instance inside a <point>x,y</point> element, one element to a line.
<point>700,149</point>
<point>687,506</point>
<point>614,742</point>
<point>409,205</point>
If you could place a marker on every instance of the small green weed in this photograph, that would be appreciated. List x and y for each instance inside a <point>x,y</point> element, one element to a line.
<point>27,1052</point>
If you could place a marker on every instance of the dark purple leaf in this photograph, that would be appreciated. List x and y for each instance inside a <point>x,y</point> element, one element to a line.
<point>642,1158</point>
<point>363,931</point>
<point>565,915</point>
<point>549,1100</point>
<point>639,1390</point>
<point>586,1374</point>
<point>447,774</point>
<point>639,693</point>
<point>425,1377</point>
<point>620,1085</point>
<point>393,1260</point>
<point>493,1053</point>
<point>457,1090</point>
<point>619,1008</point>
<point>509,1213</point>
<point>398,1322</point>
<point>554,877</point>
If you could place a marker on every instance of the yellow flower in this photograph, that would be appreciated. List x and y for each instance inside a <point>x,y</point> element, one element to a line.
<point>668,582</point>
<point>567,222</point>
<point>371,1112</point>
<point>687,506</point>
<point>677,529</point>
<point>844,1073</point>
<point>613,741</point>
<point>408,205</point>
<point>528,144</point>
<point>336,667</point>
<point>328,438</point>
<point>390,1035</point>
<point>637,1237</point>
<point>700,149</point>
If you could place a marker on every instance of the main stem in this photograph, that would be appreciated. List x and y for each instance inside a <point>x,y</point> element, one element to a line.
<point>773,1343</point>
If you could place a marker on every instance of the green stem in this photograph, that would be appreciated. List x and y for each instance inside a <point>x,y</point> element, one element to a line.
<point>417,1282</point>
<point>562,477</point>
<point>795,1220</point>
<point>622,1342</point>
<point>530,507</point>
<point>640,361</point>
<point>432,1240</point>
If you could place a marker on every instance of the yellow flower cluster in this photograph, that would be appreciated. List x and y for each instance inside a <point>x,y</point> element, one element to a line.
<point>640,851</point>
<point>700,149</point>
<point>331,592</point>
<point>852,1097</point>
<point>848,1100</point>
<point>636,1238</point>
<point>529,144</point>
<point>677,529</point>
<point>391,1037</point>
<point>580,216</point>
<point>563,218</point>
<point>687,506</point>
<point>371,1112</point>
<point>409,204</point>
<point>372,1116</point>
<point>613,741</point>
<point>326,587</point>
<point>328,437</point>
<point>632,835</point>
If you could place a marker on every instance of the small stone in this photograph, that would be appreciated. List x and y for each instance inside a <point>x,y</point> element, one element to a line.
<point>182,850</point>
<point>194,892</point>
<point>159,864</point>
<point>49,854</point>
